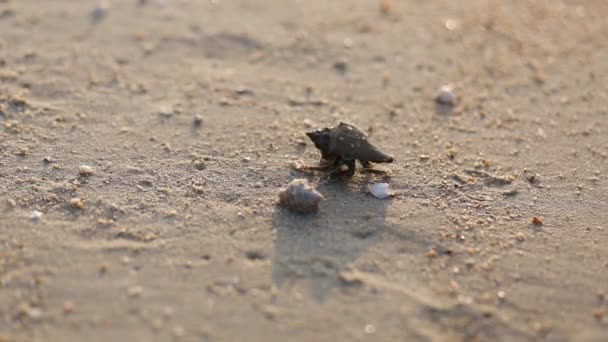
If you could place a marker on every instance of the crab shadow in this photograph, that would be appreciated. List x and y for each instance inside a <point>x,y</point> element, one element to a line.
<point>317,248</point>
<point>444,111</point>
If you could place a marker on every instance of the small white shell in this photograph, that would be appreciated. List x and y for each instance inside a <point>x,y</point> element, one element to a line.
<point>446,96</point>
<point>380,190</point>
<point>301,197</point>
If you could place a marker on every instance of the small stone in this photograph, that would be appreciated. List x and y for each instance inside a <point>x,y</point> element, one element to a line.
<point>501,295</point>
<point>445,96</point>
<point>199,164</point>
<point>99,13</point>
<point>537,221</point>
<point>103,268</point>
<point>35,215</point>
<point>85,171</point>
<point>341,65</point>
<point>68,308</point>
<point>178,331</point>
<point>165,112</point>
<point>168,312</point>
<point>348,42</point>
<point>77,203</point>
<point>246,160</point>
<point>198,119</point>
<point>30,312</point>
<point>271,312</point>
<point>386,7</point>
<point>308,123</point>
<point>599,313</point>
<point>157,324</point>
<point>135,291</point>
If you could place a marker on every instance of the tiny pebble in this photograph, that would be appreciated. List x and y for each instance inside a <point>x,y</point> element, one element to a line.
<point>341,65</point>
<point>85,170</point>
<point>68,307</point>
<point>168,312</point>
<point>537,221</point>
<point>308,123</point>
<point>199,165</point>
<point>198,119</point>
<point>178,331</point>
<point>446,96</point>
<point>33,313</point>
<point>598,313</point>
<point>103,268</point>
<point>77,203</point>
<point>348,42</point>
<point>98,14</point>
<point>135,291</point>
<point>35,215</point>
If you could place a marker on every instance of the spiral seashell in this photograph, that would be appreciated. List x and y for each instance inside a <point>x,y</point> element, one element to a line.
<point>301,197</point>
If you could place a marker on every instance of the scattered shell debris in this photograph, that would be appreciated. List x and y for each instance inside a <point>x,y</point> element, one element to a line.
<point>446,96</point>
<point>85,171</point>
<point>301,197</point>
<point>380,190</point>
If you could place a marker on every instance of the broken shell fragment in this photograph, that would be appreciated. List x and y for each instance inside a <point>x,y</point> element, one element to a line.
<point>301,197</point>
<point>380,190</point>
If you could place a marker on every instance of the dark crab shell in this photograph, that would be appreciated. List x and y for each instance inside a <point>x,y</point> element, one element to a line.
<point>348,143</point>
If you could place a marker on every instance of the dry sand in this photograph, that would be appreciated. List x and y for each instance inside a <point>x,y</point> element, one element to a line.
<point>176,233</point>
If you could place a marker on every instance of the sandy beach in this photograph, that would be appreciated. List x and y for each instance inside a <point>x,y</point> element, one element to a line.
<point>143,145</point>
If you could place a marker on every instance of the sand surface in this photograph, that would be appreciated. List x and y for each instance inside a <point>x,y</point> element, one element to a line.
<point>176,234</point>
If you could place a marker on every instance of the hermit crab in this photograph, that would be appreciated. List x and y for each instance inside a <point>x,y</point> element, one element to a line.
<point>342,146</point>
